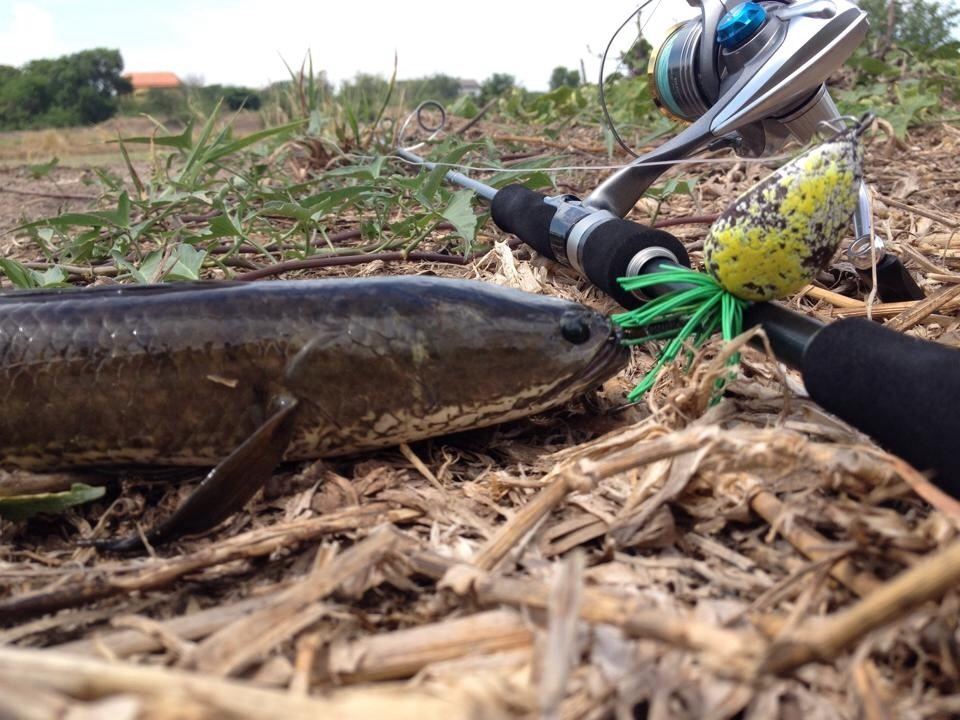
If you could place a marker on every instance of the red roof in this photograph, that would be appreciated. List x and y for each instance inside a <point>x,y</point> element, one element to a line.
<point>151,80</point>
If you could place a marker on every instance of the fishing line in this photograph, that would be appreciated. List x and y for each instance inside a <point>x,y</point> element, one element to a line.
<point>418,115</point>
<point>571,168</point>
<point>603,62</point>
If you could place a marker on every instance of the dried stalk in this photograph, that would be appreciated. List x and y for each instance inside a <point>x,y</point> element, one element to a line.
<point>26,483</point>
<point>891,310</point>
<point>924,309</point>
<point>812,544</point>
<point>404,653</point>
<point>138,575</point>
<point>822,639</point>
<point>510,536</point>
<point>235,646</point>
<point>949,222</point>
<point>86,679</point>
<point>835,299</point>
<point>123,643</point>
<point>726,650</point>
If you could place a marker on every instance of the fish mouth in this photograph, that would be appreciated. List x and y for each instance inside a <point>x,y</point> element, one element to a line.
<point>609,359</point>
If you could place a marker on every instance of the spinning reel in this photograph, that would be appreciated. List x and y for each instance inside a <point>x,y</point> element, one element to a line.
<point>752,78</point>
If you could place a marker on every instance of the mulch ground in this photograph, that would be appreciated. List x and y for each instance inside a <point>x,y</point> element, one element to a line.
<point>753,559</point>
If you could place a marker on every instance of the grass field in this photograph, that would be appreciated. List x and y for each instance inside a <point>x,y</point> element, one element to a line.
<point>77,147</point>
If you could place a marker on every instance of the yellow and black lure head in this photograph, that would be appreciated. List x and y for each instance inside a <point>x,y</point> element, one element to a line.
<point>776,237</point>
<point>771,242</point>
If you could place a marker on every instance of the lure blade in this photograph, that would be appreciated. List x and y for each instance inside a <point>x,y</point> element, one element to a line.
<point>778,235</point>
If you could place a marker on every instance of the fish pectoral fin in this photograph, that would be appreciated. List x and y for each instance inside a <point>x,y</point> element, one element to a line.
<point>227,487</point>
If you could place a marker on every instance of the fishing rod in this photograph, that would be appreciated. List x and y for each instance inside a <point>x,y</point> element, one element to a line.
<point>751,78</point>
<point>888,385</point>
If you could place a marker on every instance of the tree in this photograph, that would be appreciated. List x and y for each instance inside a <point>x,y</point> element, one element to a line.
<point>921,25</point>
<point>75,89</point>
<point>442,88</point>
<point>238,98</point>
<point>497,85</point>
<point>24,98</point>
<point>637,58</point>
<point>562,76</point>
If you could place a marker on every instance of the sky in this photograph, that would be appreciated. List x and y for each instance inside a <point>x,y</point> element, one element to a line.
<point>245,42</point>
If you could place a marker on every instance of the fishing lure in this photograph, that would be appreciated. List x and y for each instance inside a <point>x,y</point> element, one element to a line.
<point>769,243</point>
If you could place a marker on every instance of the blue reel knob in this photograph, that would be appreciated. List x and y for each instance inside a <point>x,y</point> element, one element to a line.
<point>740,24</point>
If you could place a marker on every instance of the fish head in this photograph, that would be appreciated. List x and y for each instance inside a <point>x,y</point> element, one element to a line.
<point>425,356</point>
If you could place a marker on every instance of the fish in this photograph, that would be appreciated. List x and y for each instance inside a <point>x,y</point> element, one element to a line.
<point>241,377</point>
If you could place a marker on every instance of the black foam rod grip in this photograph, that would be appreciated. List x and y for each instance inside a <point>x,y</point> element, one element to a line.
<point>522,212</point>
<point>608,250</point>
<point>903,392</point>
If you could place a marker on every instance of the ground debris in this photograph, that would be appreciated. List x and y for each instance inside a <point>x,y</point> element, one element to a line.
<point>756,559</point>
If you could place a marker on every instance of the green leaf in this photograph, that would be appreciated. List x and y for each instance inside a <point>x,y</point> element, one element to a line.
<point>222,150</point>
<point>119,218</point>
<point>25,278</point>
<point>187,264</point>
<point>343,196</point>
<point>433,179</point>
<point>183,141</point>
<point>873,66</point>
<point>287,210</point>
<point>223,226</point>
<point>913,101</point>
<point>189,173</point>
<point>20,275</point>
<point>38,172</point>
<point>366,172</point>
<point>149,271</point>
<point>459,213</point>
<point>51,277</point>
<point>22,507</point>
<point>674,186</point>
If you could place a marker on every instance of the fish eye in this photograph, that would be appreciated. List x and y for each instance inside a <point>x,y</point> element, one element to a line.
<point>575,328</point>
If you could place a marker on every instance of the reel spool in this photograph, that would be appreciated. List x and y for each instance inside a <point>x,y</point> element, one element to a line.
<point>752,76</point>
<point>684,90</point>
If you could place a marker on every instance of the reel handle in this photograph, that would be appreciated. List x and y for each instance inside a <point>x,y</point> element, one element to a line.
<point>621,191</point>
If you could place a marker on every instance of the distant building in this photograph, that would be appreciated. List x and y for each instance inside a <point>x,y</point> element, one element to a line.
<point>471,88</point>
<point>142,82</point>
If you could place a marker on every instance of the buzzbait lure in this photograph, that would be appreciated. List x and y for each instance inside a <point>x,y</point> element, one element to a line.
<point>769,243</point>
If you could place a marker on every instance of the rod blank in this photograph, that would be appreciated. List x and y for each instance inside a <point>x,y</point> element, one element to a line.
<point>481,189</point>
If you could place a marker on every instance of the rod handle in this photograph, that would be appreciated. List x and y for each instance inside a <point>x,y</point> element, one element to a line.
<point>605,253</point>
<point>522,212</point>
<point>903,392</point>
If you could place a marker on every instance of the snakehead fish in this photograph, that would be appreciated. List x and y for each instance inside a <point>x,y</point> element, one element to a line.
<point>242,376</point>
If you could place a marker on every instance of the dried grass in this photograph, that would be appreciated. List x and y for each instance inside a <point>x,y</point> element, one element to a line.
<point>758,559</point>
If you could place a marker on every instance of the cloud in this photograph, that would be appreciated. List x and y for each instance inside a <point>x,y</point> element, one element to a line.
<point>28,33</point>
